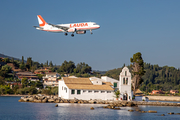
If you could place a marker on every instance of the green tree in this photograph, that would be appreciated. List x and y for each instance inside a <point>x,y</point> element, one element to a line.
<point>137,70</point>
<point>32,83</point>
<point>67,67</point>
<point>32,90</point>
<point>47,91</point>
<point>2,81</point>
<point>83,68</point>
<point>15,88</point>
<point>24,82</point>
<point>54,90</point>
<point>16,63</point>
<point>40,76</point>
<point>39,85</point>
<point>117,94</point>
<point>22,65</point>
<point>5,89</point>
<point>50,64</point>
<point>29,63</point>
<point>5,70</point>
<point>46,64</point>
<point>7,60</point>
<point>22,60</point>
<point>20,91</point>
<point>2,89</point>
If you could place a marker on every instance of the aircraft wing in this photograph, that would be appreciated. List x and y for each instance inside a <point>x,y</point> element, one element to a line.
<point>61,27</point>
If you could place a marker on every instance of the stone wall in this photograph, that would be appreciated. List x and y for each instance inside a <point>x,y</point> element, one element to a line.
<point>164,98</point>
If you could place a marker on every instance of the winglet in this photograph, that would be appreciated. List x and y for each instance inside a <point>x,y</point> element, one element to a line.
<point>41,21</point>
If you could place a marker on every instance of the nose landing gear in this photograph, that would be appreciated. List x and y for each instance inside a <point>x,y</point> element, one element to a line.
<point>91,32</point>
<point>65,34</point>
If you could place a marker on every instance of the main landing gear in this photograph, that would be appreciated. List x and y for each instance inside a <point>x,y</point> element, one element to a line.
<point>67,34</point>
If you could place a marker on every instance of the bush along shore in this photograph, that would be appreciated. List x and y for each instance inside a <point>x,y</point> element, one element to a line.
<point>113,104</point>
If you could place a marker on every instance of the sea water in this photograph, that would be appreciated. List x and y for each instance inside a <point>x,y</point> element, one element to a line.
<point>11,109</point>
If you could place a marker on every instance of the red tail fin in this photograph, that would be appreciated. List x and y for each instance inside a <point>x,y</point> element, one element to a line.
<point>41,21</point>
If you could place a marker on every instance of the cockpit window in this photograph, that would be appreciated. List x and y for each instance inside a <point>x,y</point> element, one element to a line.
<point>94,24</point>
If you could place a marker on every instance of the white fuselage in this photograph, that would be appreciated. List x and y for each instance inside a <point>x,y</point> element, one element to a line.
<point>77,26</point>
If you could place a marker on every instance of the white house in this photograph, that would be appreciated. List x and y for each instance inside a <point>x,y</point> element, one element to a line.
<point>96,88</point>
<point>51,79</point>
<point>125,84</point>
<point>83,88</point>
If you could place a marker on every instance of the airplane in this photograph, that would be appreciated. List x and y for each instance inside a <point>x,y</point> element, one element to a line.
<point>79,28</point>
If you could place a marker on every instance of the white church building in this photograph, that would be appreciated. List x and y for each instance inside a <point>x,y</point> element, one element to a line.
<point>96,88</point>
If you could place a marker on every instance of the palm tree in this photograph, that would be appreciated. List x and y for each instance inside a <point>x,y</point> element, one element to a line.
<point>117,94</point>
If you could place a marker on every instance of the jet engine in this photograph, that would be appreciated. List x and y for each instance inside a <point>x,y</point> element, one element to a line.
<point>81,32</point>
<point>72,30</point>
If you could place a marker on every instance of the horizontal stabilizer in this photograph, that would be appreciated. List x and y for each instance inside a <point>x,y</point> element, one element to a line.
<point>39,28</point>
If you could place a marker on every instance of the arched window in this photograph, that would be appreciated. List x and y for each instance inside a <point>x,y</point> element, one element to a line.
<point>125,73</point>
<point>126,81</point>
<point>123,80</point>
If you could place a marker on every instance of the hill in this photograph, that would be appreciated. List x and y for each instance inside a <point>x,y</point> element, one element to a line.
<point>156,77</point>
<point>5,56</point>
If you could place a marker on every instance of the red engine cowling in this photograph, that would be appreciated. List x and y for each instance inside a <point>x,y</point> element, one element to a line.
<point>81,32</point>
<point>72,30</point>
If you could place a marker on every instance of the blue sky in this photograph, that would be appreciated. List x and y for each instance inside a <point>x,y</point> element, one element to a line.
<point>151,27</point>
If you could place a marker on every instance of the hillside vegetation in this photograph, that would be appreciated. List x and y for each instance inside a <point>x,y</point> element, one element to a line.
<point>164,78</point>
<point>155,77</point>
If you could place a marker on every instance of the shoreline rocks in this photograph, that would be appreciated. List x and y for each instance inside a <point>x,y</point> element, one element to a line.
<point>131,110</point>
<point>152,111</point>
<point>115,104</point>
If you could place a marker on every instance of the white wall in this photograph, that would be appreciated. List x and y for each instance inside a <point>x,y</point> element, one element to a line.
<point>87,96</point>
<point>96,82</point>
<point>108,79</point>
<point>62,92</point>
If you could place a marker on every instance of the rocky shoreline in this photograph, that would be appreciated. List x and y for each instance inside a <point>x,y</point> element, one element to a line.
<point>56,99</point>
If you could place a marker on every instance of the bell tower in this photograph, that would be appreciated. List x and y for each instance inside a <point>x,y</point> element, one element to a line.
<point>125,84</point>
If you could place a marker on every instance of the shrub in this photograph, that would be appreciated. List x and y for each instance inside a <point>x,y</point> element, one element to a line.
<point>20,91</point>
<point>9,91</point>
<point>46,91</point>
<point>2,90</point>
<point>117,93</point>
<point>32,90</point>
<point>54,90</point>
